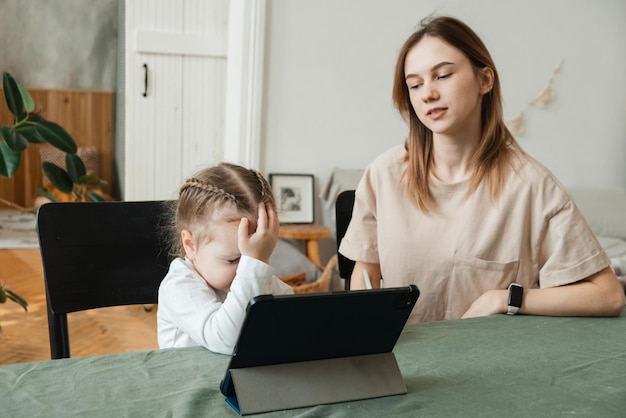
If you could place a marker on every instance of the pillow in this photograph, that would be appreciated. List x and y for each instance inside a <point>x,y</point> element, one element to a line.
<point>287,260</point>
<point>604,208</point>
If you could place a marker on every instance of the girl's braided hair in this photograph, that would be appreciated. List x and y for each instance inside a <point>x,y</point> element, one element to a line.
<point>226,190</point>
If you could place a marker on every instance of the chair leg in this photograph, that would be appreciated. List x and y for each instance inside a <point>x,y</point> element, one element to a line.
<point>59,336</point>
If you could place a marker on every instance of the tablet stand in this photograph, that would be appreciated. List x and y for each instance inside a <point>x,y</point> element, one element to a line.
<point>295,385</point>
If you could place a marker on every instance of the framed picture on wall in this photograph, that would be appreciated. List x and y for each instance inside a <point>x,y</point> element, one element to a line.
<point>294,197</point>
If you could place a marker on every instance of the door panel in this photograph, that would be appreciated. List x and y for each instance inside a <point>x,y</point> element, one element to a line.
<point>178,126</point>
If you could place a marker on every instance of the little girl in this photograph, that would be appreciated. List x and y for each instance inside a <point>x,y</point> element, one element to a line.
<point>224,227</point>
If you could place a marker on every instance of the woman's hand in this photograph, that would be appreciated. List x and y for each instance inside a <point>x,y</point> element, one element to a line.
<point>259,244</point>
<point>357,280</point>
<point>489,303</point>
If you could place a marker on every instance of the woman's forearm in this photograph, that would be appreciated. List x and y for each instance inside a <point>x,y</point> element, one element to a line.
<point>598,295</point>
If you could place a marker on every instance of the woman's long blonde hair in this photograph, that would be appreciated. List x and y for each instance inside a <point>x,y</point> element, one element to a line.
<point>496,147</point>
<point>226,190</point>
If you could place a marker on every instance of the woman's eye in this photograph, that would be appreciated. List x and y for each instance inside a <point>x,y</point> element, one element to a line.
<point>234,261</point>
<point>443,76</point>
<point>414,86</point>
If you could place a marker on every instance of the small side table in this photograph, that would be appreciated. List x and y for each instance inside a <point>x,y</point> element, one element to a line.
<point>308,232</point>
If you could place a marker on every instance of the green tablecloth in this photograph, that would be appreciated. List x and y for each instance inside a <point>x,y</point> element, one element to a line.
<point>497,366</point>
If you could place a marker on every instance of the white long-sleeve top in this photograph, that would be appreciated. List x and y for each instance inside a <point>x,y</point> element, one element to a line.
<point>192,313</point>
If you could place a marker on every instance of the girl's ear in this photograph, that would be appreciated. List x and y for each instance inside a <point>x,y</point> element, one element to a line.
<point>486,80</point>
<point>188,244</point>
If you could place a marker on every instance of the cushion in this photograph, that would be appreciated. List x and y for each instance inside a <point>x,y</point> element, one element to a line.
<point>604,208</point>
<point>288,260</point>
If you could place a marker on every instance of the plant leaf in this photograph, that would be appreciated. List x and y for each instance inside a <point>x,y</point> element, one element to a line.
<point>3,295</point>
<point>56,136</point>
<point>27,99</point>
<point>22,142</point>
<point>58,177</point>
<point>14,140</point>
<point>91,181</point>
<point>9,160</point>
<point>45,193</point>
<point>35,118</point>
<point>17,298</point>
<point>30,133</point>
<point>12,95</point>
<point>95,197</point>
<point>75,167</point>
<point>8,134</point>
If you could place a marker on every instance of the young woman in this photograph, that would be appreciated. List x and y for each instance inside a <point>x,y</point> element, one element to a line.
<point>224,228</point>
<point>460,210</point>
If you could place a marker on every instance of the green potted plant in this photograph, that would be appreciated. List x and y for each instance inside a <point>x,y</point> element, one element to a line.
<point>30,128</point>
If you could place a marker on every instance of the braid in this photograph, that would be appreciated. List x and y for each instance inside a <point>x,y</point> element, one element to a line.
<point>262,181</point>
<point>225,192</point>
<point>207,188</point>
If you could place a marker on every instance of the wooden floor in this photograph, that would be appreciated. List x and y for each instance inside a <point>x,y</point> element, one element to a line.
<point>24,335</point>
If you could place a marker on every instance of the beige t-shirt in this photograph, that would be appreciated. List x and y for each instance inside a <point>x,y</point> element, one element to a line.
<point>533,235</point>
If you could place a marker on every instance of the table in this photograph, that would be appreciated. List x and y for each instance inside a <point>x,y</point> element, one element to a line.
<point>311,234</point>
<point>513,366</point>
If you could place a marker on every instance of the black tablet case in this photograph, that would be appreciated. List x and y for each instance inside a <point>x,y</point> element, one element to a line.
<point>309,349</point>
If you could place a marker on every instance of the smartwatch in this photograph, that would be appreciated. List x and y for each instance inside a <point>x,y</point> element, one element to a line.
<point>515,298</point>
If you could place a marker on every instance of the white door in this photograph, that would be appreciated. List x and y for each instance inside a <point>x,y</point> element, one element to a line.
<point>175,90</point>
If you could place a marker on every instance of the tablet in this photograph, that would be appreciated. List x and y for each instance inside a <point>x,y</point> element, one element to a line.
<point>285,329</point>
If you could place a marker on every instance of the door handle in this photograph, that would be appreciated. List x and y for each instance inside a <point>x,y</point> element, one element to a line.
<point>145,80</point>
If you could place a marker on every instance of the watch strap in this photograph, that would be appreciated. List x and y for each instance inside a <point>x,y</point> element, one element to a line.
<point>513,310</point>
<point>516,293</point>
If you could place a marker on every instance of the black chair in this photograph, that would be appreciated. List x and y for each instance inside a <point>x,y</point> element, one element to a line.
<point>96,255</point>
<point>343,215</point>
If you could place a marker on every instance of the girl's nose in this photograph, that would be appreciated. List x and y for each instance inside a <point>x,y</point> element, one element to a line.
<point>429,93</point>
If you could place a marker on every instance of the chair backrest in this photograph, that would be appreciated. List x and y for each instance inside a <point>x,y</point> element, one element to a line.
<point>343,215</point>
<point>98,254</point>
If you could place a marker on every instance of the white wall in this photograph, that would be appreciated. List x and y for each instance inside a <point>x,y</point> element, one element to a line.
<point>329,68</point>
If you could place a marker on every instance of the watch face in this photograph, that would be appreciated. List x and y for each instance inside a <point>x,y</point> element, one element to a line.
<point>515,295</point>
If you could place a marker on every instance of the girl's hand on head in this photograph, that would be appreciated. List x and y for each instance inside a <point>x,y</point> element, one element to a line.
<point>261,243</point>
